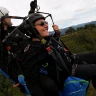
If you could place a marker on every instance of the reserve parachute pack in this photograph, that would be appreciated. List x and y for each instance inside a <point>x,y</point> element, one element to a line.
<point>74,86</point>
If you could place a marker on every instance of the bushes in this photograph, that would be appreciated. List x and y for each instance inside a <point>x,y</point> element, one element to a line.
<point>83,40</point>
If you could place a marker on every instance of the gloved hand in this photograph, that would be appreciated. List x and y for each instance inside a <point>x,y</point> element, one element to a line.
<point>56,29</point>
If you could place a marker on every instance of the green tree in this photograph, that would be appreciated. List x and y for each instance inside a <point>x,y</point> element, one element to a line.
<point>82,40</point>
<point>70,30</point>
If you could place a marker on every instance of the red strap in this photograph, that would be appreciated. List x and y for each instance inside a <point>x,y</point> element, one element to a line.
<point>8,48</point>
<point>48,49</point>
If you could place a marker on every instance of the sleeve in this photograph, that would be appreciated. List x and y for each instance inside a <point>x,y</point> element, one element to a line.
<point>57,33</point>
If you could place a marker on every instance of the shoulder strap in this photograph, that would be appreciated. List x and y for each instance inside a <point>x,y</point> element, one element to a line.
<point>18,65</point>
<point>57,57</point>
<point>60,43</point>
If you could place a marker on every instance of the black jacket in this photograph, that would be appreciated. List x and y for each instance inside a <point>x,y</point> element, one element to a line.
<point>34,55</point>
<point>3,49</point>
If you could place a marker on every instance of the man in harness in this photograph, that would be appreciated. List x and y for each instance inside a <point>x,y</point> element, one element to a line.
<point>5,29</point>
<point>8,66</point>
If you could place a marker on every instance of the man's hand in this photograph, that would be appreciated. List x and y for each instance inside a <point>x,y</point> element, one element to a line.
<point>56,28</point>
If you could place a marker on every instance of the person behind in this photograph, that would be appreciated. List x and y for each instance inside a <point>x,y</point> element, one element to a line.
<point>5,29</point>
<point>7,60</point>
<point>6,24</point>
<point>36,58</point>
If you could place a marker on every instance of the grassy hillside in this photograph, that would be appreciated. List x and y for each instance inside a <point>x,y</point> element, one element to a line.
<point>81,40</point>
<point>6,88</point>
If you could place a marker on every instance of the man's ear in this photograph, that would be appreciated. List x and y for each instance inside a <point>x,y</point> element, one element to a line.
<point>4,24</point>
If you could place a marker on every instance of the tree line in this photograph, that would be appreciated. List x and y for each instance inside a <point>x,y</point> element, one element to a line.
<point>83,39</point>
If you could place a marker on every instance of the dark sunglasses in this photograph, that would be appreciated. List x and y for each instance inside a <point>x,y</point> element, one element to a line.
<point>42,23</point>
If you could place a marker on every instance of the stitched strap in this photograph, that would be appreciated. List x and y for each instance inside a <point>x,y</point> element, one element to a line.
<point>74,66</point>
<point>57,57</point>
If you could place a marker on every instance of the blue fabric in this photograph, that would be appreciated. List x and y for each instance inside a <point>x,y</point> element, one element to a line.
<point>60,93</point>
<point>3,73</point>
<point>22,82</point>
<point>6,75</point>
<point>42,70</point>
<point>20,79</point>
<point>74,86</point>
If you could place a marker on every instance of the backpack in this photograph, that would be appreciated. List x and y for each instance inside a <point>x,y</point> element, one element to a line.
<point>74,86</point>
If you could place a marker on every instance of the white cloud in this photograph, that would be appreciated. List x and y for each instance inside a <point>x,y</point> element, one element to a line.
<point>64,12</point>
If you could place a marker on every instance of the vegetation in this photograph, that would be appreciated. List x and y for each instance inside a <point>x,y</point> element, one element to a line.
<point>6,88</point>
<point>81,40</point>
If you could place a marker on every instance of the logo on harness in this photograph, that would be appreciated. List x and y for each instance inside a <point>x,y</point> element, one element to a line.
<point>27,48</point>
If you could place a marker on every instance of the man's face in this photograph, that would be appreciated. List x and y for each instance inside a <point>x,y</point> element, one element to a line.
<point>7,21</point>
<point>42,26</point>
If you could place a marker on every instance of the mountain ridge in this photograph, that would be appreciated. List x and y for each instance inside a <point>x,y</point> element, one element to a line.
<point>63,30</point>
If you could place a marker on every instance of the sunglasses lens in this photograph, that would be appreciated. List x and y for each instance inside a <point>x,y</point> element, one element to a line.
<point>42,23</point>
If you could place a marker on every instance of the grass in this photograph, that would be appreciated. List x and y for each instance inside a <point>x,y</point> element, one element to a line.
<point>91,91</point>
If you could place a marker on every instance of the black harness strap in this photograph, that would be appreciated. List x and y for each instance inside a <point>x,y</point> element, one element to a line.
<point>57,57</point>
<point>18,65</point>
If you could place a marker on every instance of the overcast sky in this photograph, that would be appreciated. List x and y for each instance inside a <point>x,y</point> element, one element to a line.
<point>65,13</point>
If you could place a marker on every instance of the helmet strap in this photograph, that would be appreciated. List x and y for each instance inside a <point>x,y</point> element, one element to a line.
<point>34,30</point>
